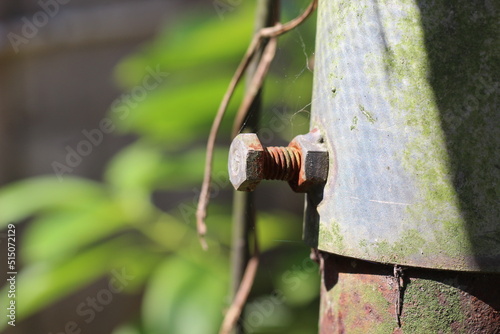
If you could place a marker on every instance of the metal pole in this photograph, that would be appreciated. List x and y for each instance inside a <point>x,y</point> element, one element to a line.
<point>406,96</point>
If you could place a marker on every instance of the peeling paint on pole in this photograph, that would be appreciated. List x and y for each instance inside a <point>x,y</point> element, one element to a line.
<point>406,93</point>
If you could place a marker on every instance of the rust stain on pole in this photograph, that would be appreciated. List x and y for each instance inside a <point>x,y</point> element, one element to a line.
<point>359,297</point>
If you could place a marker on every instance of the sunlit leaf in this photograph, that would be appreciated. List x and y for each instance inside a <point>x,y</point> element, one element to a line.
<point>143,166</point>
<point>174,115</point>
<point>195,41</point>
<point>135,167</point>
<point>266,314</point>
<point>127,329</point>
<point>184,297</point>
<point>184,169</point>
<point>45,282</point>
<point>22,199</point>
<point>279,229</point>
<point>62,233</point>
<point>298,279</point>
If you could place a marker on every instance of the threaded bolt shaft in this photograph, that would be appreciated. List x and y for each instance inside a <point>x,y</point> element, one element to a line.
<point>303,163</point>
<point>281,163</point>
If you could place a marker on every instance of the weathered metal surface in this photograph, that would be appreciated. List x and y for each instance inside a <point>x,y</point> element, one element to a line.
<point>406,93</point>
<point>360,297</point>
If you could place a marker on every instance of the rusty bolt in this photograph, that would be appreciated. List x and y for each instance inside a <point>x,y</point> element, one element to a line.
<point>303,163</point>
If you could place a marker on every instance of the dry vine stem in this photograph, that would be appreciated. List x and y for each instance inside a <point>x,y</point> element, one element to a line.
<point>234,311</point>
<point>256,83</point>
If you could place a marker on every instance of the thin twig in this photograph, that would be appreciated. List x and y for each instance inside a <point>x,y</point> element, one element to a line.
<point>256,83</point>
<point>201,211</point>
<point>267,58</point>
<point>275,31</point>
<point>280,29</point>
<point>234,311</point>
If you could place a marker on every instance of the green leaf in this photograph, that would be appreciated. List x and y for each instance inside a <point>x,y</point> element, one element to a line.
<point>184,297</point>
<point>63,233</point>
<point>175,115</point>
<point>186,168</point>
<point>147,167</point>
<point>299,278</point>
<point>196,41</point>
<point>279,228</point>
<point>45,282</point>
<point>127,329</point>
<point>25,198</point>
<point>200,58</point>
<point>266,314</point>
<point>136,167</point>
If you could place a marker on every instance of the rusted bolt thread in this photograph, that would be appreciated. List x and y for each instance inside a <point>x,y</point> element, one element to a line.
<point>281,163</point>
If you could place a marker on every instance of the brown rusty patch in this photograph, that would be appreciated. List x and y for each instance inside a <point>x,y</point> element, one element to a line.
<point>329,323</point>
<point>361,304</point>
<point>360,298</point>
<point>256,146</point>
<point>479,316</point>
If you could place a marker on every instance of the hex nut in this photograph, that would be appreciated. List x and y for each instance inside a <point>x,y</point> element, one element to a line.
<point>314,161</point>
<point>246,156</point>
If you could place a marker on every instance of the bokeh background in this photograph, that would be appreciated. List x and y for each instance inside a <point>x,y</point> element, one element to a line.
<point>105,108</point>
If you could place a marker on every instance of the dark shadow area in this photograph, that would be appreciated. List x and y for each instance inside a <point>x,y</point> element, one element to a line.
<point>311,215</point>
<point>463,50</point>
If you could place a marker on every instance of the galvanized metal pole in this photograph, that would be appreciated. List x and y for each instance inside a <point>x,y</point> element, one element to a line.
<point>406,96</point>
<point>243,202</point>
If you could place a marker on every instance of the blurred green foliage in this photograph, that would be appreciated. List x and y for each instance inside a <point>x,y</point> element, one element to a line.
<point>80,230</point>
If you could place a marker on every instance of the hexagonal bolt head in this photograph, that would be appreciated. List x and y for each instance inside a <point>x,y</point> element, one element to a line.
<point>246,162</point>
<point>314,161</point>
